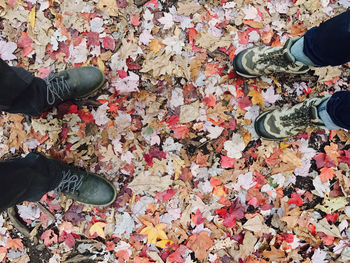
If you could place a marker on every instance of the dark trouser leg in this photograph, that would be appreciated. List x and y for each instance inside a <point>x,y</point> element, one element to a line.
<point>26,179</point>
<point>329,43</point>
<point>20,91</point>
<point>338,108</point>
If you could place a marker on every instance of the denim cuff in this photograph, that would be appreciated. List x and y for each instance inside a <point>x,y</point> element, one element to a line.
<point>324,116</point>
<point>298,53</point>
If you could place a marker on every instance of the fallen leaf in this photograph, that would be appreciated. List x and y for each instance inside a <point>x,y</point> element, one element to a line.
<point>200,243</point>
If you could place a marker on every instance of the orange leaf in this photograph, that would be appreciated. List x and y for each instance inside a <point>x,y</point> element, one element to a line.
<point>297,30</point>
<point>257,97</point>
<point>14,244</point>
<point>211,69</point>
<point>266,36</point>
<point>326,174</point>
<point>155,45</point>
<point>328,240</point>
<point>332,152</point>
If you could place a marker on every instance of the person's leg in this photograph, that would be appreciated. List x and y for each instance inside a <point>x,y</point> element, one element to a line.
<point>29,178</point>
<point>14,83</point>
<point>328,44</point>
<point>26,179</point>
<point>338,109</point>
<point>21,92</point>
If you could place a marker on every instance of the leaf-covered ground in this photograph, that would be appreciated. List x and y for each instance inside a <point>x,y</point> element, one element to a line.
<point>173,130</point>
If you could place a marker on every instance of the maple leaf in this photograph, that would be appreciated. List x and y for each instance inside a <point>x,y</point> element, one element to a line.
<point>332,152</point>
<point>167,20</point>
<point>257,97</point>
<point>274,255</point>
<point>154,232</point>
<point>200,243</point>
<point>98,228</point>
<point>15,244</point>
<point>49,237</point>
<point>326,174</point>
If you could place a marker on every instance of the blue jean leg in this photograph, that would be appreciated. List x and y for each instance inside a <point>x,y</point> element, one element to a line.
<point>323,114</point>
<point>329,43</point>
<point>338,108</point>
<point>298,53</point>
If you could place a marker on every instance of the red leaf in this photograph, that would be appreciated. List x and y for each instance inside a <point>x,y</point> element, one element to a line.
<point>328,240</point>
<point>295,199</point>
<point>192,33</point>
<point>227,162</point>
<point>49,237</point>
<point>166,195</point>
<point>108,43</point>
<point>332,218</point>
<point>25,42</point>
<point>172,121</point>
<point>93,39</point>
<point>197,218</point>
<point>180,131</point>
<point>210,101</point>
<point>244,102</point>
<point>135,19</point>
<point>229,220</point>
<point>86,116</point>
<point>122,74</point>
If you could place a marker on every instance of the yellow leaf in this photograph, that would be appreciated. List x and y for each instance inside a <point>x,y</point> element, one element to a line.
<point>31,17</point>
<point>154,232</point>
<point>98,229</point>
<point>155,45</point>
<point>164,243</point>
<point>86,63</point>
<point>257,97</point>
<point>283,145</point>
<point>100,64</point>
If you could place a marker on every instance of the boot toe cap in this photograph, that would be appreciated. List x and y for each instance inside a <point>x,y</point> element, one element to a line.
<point>88,80</point>
<point>239,67</point>
<point>97,191</point>
<point>260,128</point>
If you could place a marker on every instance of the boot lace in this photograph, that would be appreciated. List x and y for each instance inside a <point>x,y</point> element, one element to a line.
<point>70,183</point>
<point>277,58</point>
<point>300,118</point>
<point>57,88</point>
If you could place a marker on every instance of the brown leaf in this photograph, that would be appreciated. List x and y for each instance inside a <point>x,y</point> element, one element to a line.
<point>200,243</point>
<point>274,255</point>
<point>253,24</point>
